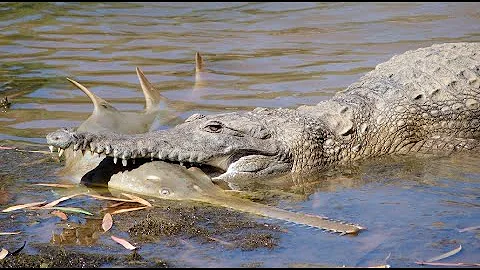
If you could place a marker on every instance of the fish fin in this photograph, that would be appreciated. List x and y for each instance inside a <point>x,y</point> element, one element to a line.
<point>99,103</point>
<point>153,98</point>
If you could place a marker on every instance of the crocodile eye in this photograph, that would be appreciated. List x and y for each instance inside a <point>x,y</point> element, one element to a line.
<point>214,127</point>
<point>164,191</point>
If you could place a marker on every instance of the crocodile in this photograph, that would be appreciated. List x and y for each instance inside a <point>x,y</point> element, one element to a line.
<point>421,102</point>
<point>160,179</point>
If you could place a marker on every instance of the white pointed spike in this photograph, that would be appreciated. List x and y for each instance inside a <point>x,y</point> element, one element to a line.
<point>152,155</point>
<point>60,152</point>
<point>51,148</point>
<point>75,147</point>
<point>74,153</point>
<point>152,95</point>
<point>124,162</point>
<point>97,101</point>
<point>133,161</point>
<point>115,160</point>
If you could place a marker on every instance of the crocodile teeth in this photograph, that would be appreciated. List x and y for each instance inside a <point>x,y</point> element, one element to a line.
<point>133,160</point>
<point>60,152</point>
<point>74,153</point>
<point>115,160</point>
<point>51,148</point>
<point>124,162</point>
<point>76,146</point>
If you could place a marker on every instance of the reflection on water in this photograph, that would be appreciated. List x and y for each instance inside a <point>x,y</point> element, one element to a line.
<point>256,54</point>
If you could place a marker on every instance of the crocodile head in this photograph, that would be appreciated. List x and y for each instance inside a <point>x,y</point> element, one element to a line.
<point>224,145</point>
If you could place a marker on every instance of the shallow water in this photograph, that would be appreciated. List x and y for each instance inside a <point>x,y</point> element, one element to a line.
<point>257,54</point>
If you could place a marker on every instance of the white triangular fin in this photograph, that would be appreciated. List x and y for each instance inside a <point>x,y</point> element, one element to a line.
<point>152,95</point>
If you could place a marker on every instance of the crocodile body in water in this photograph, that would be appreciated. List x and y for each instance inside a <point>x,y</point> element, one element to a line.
<point>424,101</point>
<point>161,179</point>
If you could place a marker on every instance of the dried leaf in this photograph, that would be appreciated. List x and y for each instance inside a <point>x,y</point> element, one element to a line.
<point>6,148</point>
<point>21,206</point>
<point>123,242</point>
<point>115,205</point>
<point>3,253</point>
<point>137,199</point>
<point>107,222</point>
<point>9,233</point>
<point>128,210</point>
<point>59,214</point>
<point>469,229</point>
<point>70,209</point>
<point>52,204</point>
<point>109,198</point>
<point>56,185</point>
<point>445,255</point>
<point>448,264</point>
<point>34,151</point>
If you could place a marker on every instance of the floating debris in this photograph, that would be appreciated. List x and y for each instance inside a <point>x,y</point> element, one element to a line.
<point>137,199</point>
<point>107,222</point>
<point>21,206</point>
<point>123,242</point>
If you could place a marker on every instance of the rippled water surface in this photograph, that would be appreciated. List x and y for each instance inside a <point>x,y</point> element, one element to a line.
<point>257,54</point>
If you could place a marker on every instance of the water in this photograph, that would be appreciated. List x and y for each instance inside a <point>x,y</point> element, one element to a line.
<point>257,54</point>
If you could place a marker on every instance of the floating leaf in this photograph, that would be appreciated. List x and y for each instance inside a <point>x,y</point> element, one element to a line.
<point>116,204</point>
<point>33,151</point>
<point>21,206</point>
<point>123,242</point>
<point>107,222</point>
<point>448,264</point>
<point>445,255</point>
<point>9,233</point>
<point>469,229</point>
<point>3,253</point>
<point>109,198</point>
<point>128,210</point>
<point>59,214</point>
<point>138,199</point>
<point>52,204</point>
<point>70,209</point>
<point>56,185</point>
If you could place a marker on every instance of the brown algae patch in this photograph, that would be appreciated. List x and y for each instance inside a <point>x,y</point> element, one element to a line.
<point>56,257</point>
<point>205,223</point>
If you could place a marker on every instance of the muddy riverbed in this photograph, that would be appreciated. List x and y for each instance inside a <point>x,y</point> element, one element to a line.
<point>256,54</point>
